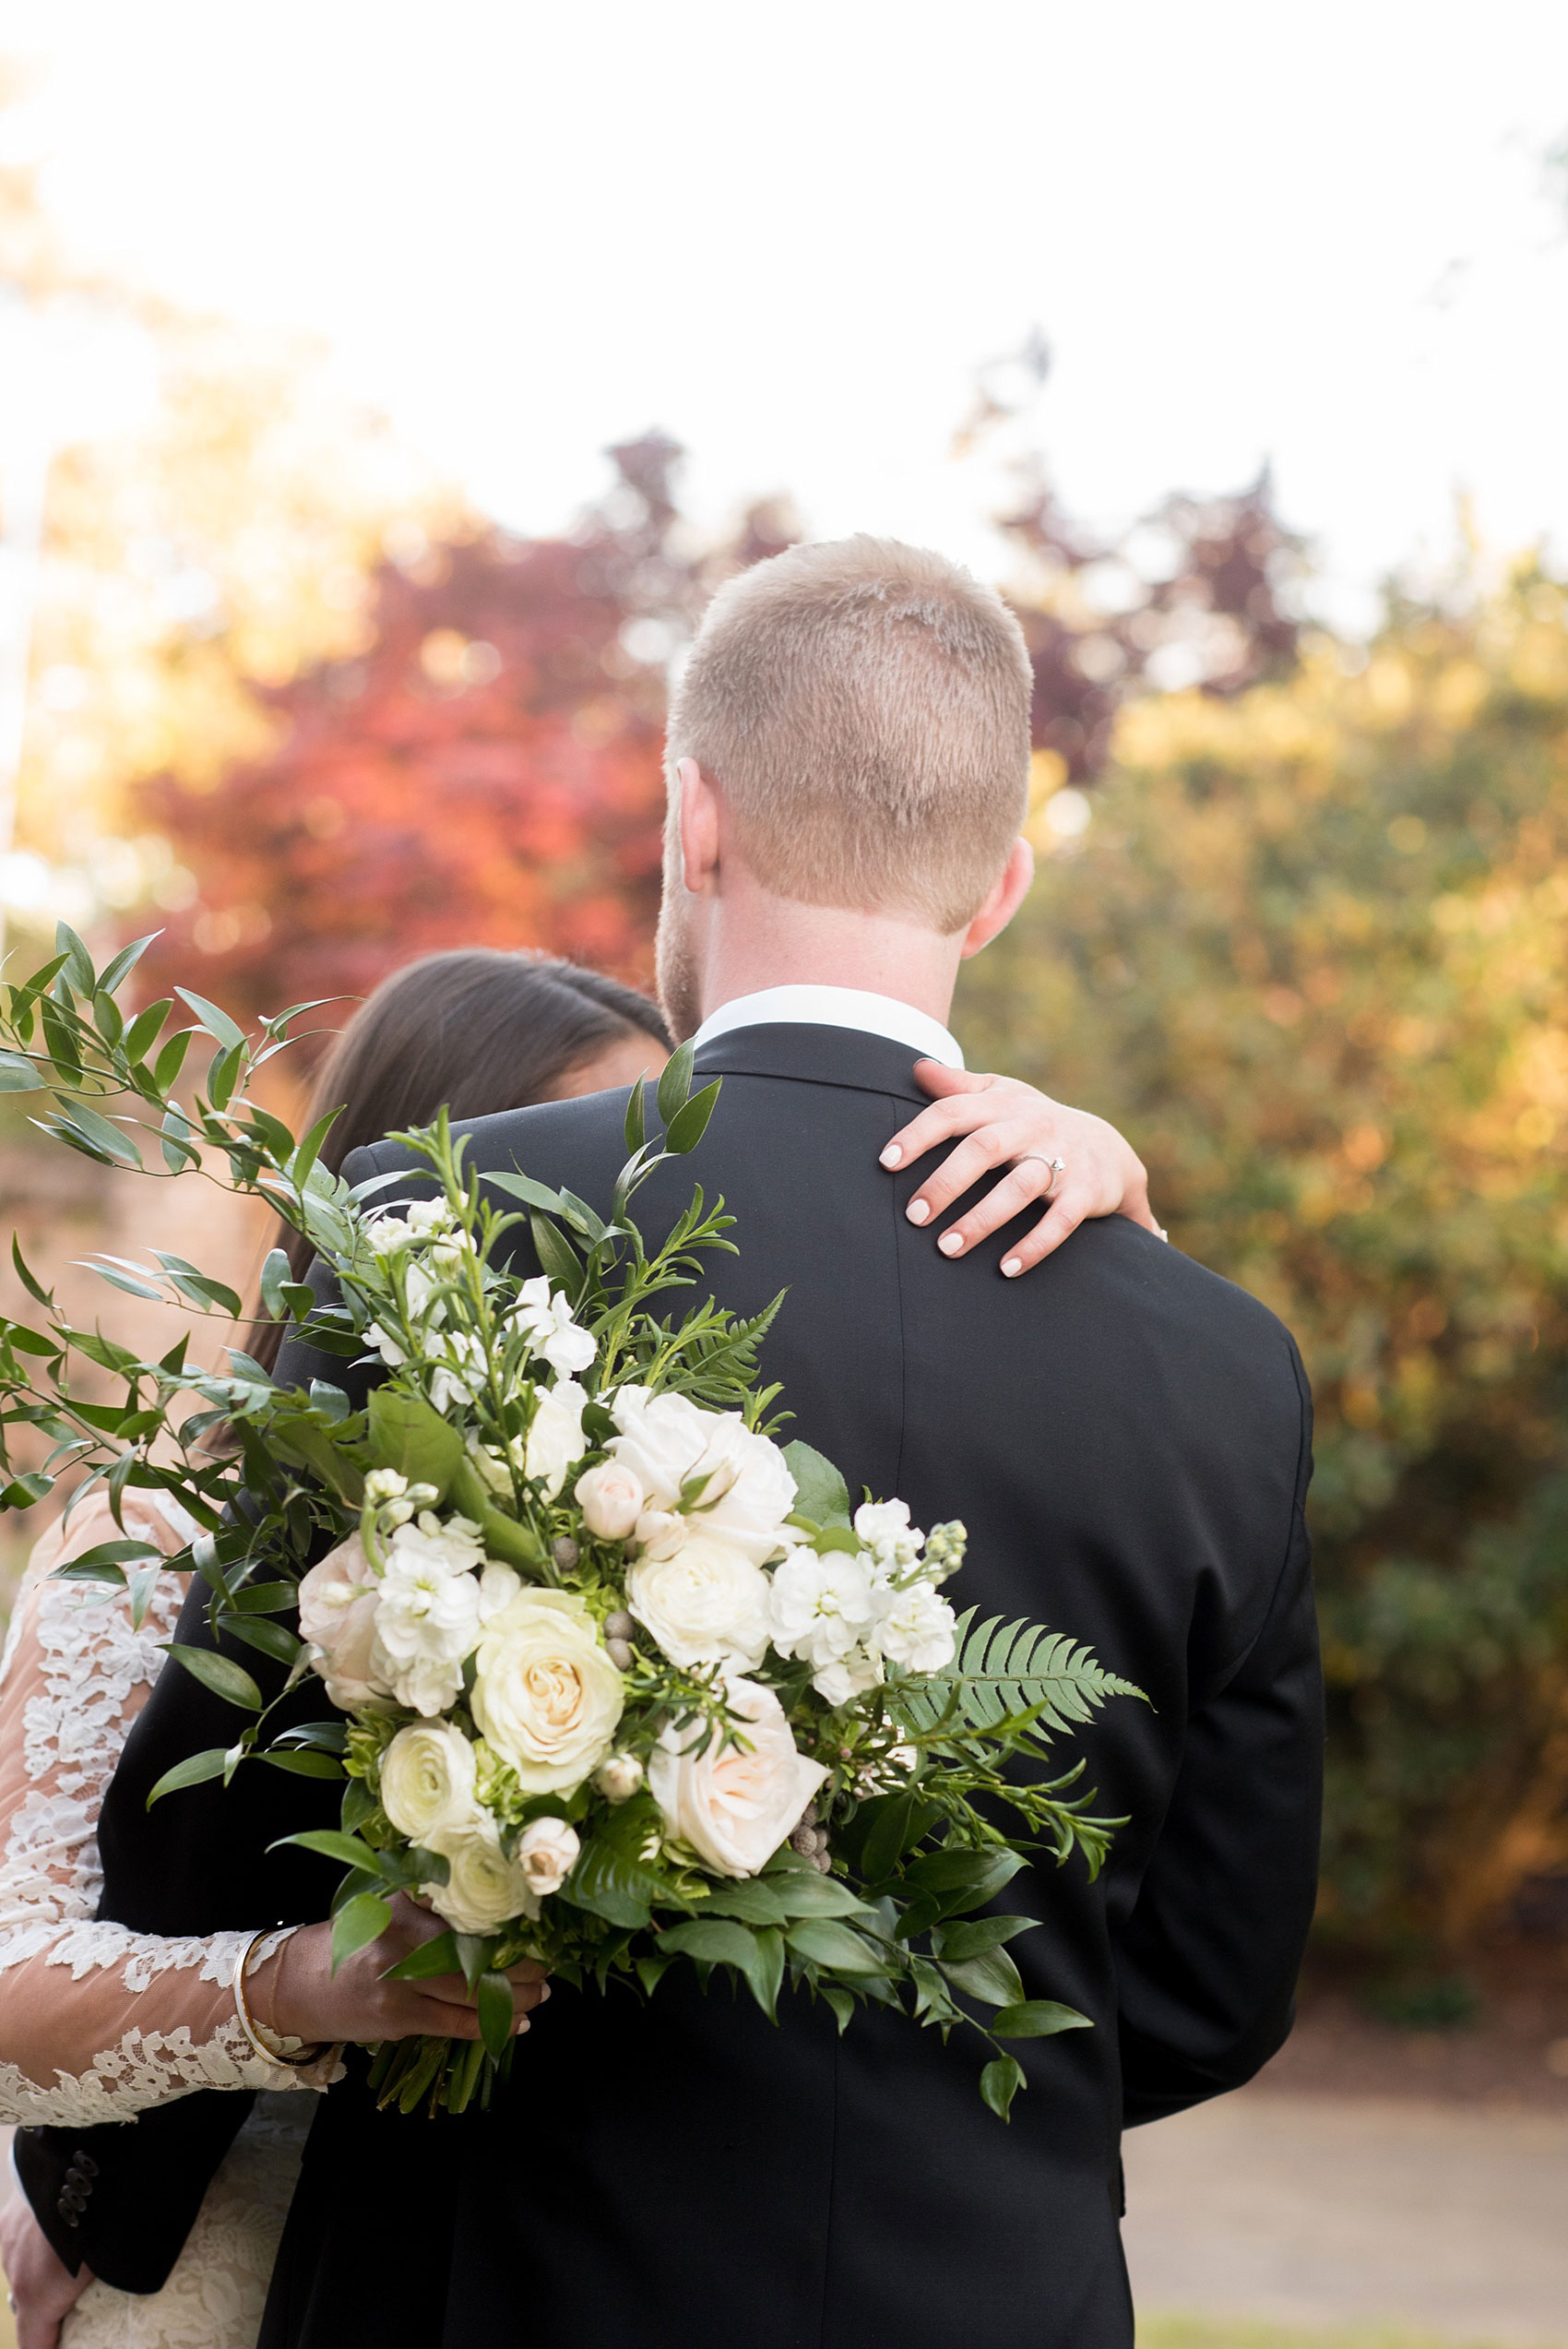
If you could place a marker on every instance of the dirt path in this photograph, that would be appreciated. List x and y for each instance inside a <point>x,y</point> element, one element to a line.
<point>1316,2210</point>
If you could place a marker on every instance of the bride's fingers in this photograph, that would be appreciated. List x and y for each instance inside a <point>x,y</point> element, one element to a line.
<point>1048,1234</point>
<point>1003,1203</point>
<point>965,1164</point>
<point>965,1114</point>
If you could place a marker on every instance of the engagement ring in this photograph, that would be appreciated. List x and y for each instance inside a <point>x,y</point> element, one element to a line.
<point>1058,1167</point>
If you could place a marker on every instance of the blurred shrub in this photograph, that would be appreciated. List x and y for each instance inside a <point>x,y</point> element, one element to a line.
<point>1310,953</point>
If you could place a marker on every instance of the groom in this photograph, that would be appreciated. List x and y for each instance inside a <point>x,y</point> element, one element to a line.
<point>1127,1439</point>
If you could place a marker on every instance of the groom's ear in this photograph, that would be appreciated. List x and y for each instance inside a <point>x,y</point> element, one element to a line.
<point>699,829</point>
<point>1006,895</point>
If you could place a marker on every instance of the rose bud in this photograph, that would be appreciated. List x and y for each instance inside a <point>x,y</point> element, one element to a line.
<point>611,1498</point>
<point>619,1777</point>
<point>547,1851</point>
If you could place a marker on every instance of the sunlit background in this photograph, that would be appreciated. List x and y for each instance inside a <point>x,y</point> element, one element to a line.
<point>383,391</point>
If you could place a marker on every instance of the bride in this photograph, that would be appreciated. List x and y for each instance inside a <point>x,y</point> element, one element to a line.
<point>99,2023</point>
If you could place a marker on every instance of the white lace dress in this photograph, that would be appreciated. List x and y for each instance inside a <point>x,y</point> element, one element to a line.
<point>99,2023</point>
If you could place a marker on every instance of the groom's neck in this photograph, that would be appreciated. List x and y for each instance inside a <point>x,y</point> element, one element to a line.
<point>753,939</point>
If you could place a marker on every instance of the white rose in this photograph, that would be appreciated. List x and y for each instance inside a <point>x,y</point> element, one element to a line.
<point>485,1889</point>
<point>821,1606</point>
<point>545,1317</point>
<point>547,1852</point>
<point>546,1696</point>
<point>428,1615</point>
<point>611,1497</point>
<point>667,1442</point>
<point>337,1604</point>
<point>734,1807</point>
<point>427,1780</point>
<point>619,1777</point>
<point>706,1603</point>
<point>917,1629</point>
<point>847,1676</point>
<point>555,1436</point>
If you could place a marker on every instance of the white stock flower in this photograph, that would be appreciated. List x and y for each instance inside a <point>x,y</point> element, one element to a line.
<point>428,1615</point>
<point>847,1676</point>
<point>884,1528</point>
<point>667,1442</point>
<point>556,1439</point>
<point>706,1604</point>
<point>821,1606</point>
<point>485,1889</point>
<point>427,1780</point>
<point>545,1317</point>
<point>384,1485</point>
<point>546,1852</point>
<point>917,1629</point>
<point>338,1605</point>
<point>546,1696</point>
<point>457,1371</point>
<point>611,1497</point>
<point>734,1807</point>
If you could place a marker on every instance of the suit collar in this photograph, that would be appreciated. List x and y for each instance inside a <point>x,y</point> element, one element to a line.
<point>813,1056</point>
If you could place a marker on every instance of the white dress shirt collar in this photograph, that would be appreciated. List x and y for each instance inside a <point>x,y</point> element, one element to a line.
<point>815,1006</point>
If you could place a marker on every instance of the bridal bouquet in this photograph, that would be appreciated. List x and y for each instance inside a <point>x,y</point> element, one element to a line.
<point>616,1680</point>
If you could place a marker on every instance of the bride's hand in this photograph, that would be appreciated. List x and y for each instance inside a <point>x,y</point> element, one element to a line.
<point>1008,1123</point>
<point>295,1994</point>
<point>43,2290</point>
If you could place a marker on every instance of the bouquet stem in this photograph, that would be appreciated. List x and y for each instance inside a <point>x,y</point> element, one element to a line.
<point>434,2075</point>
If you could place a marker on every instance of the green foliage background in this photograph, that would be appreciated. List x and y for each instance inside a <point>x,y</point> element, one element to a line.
<point>1310,955</point>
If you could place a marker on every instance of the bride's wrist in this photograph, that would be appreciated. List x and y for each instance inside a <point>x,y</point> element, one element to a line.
<point>262,2002</point>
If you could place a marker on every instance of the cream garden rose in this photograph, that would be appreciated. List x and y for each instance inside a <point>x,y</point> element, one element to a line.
<point>546,1696</point>
<point>706,1604</point>
<point>338,1604</point>
<point>735,1806</point>
<point>667,1442</point>
<point>427,1780</point>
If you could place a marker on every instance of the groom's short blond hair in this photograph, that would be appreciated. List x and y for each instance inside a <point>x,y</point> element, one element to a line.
<point>864,708</point>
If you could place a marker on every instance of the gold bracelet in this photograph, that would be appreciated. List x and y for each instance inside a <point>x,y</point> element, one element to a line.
<point>264,2048</point>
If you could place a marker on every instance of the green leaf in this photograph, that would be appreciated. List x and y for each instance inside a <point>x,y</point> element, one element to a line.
<point>25,1491</point>
<point>556,1255</point>
<point>1037,2018</point>
<point>39,1296</point>
<point>688,1126</point>
<point>357,1923</point>
<point>957,1943</point>
<point>524,1187</point>
<point>224,1075</point>
<point>332,1844</point>
<point>408,1434</point>
<point>961,1879</point>
<point>827,1942</point>
<point>900,1823</point>
<point>270,1638</point>
<point>637,1117</point>
<point>100,1135</point>
<point>79,963</point>
<point>1000,2082</point>
<point>843,2002</point>
<point>191,1771</point>
<point>32,1342</point>
<point>800,1891</point>
<point>611,1878</point>
<point>676,1084</point>
<point>127,1553</point>
<point>991,1977</point>
<point>171,1059</point>
<point>18,1074</point>
<point>303,1762</point>
<point>429,1963</point>
<point>145,1029</point>
<point>217,1022</point>
<point>497,2011</point>
<point>114,975</point>
<point>750,1899</point>
<point>219,1673</point>
<point>716,1940</point>
<point>820,1491</point>
<point>1003,1669</point>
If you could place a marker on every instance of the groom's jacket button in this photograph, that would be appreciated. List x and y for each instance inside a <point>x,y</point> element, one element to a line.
<point>78,2180</point>
<point>85,2163</point>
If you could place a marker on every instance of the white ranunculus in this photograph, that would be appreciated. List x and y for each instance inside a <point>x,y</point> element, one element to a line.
<point>547,1852</point>
<point>427,1780</point>
<point>611,1497</point>
<point>338,1605</point>
<point>544,1315</point>
<point>706,1603</point>
<point>555,1434</point>
<point>821,1606</point>
<point>485,1889</point>
<point>428,1615</point>
<point>546,1696</point>
<point>735,1806</point>
<point>847,1678</point>
<point>667,1442</point>
<point>917,1629</point>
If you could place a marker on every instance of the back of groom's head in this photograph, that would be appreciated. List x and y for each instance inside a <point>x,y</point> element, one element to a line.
<point>864,707</point>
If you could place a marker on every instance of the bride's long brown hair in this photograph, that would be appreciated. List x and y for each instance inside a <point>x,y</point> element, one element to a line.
<point>477,1029</point>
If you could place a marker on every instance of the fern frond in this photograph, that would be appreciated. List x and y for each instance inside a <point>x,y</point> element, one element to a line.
<point>1004,1669</point>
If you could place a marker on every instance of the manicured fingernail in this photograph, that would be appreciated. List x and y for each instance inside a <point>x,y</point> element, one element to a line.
<point>951,1244</point>
<point>892,1155</point>
<point>1011,1268</point>
<point>918,1211</point>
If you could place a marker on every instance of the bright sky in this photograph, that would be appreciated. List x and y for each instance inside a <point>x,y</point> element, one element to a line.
<point>788,235</point>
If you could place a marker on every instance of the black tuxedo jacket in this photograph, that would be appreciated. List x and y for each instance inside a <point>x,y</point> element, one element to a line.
<point>1127,1439</point>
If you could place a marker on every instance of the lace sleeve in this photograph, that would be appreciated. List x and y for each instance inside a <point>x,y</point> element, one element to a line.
<point>96,2022</point>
